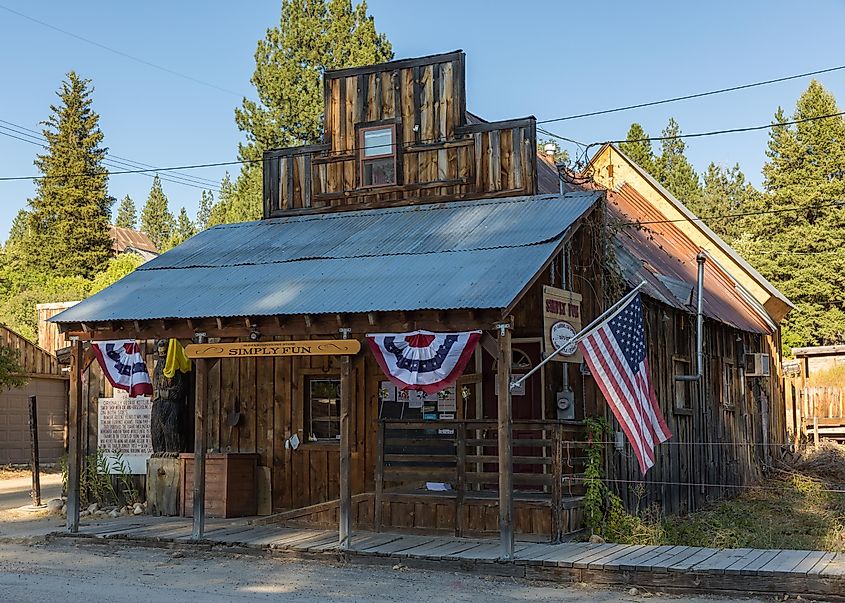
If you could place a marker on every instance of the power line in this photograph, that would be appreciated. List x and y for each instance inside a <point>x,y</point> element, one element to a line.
<point>121,53</point>
<point>40,136</point>
<point>691,96</point>
<point>737,215</point>
<point>174,178</point>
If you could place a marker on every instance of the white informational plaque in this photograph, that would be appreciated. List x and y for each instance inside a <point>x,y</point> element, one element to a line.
<point>123,431</point>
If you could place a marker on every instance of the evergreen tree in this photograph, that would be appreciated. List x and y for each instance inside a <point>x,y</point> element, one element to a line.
<point>14,251</point>
<point>70,212</point>
<point>312,36</point>
<point>184,230</point>
<point>801,251</point>
<point>638,148</point>
<point>221,211</point>
<point>674,170</point>
<point>204,210</point>
<point>156,220</point>
<point>725,192</point>
<point>127,216</point>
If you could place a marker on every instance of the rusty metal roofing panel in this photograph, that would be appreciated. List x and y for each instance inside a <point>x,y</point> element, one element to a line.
<point>126,238</point>
<point>467,254</point>
<point>663,256</point>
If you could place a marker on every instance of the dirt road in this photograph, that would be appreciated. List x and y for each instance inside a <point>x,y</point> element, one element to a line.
<point>91,572</point>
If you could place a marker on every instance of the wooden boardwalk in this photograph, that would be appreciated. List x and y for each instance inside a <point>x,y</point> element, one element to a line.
<point>670,568</point>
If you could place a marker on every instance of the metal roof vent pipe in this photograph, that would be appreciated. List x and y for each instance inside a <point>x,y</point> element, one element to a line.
<point>699,325</point>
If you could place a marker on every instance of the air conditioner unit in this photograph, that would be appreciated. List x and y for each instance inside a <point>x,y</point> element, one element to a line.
<point>756,365</point>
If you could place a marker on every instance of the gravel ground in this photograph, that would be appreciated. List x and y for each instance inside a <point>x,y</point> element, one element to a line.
<point>93,572</point>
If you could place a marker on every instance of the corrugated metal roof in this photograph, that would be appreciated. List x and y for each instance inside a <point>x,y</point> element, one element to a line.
<point>665,258</point>
<point>467,254</point>
<point>124,239</point>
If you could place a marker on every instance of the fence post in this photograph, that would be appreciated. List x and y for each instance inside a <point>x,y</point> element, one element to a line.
<point>379,475</point>
<point>33,438</point>
<point>460,441</point>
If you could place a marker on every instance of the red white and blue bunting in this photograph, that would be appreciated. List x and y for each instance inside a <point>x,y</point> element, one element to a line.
<point>124,366</point>
<point>422,360</point>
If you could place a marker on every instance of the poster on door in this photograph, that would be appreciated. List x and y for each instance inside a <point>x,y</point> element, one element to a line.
<point>561,321</point>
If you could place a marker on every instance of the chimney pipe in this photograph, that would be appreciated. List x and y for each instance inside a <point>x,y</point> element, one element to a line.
<point>699,325</point>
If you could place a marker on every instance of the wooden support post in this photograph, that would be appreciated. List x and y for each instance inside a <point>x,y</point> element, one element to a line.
<point>461,445</point>
<point>503,378</point>
<point>33,441</point>
<point>201,404</point>
<point>557,485</point>
<point>379,476</point>
<point>345,515</point>
<point>74,442</point>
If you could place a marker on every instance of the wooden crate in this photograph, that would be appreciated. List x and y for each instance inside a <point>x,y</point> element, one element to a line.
<point>231,484</point>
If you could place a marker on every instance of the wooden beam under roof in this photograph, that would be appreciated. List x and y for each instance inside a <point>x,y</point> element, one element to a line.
<point>295,325</point>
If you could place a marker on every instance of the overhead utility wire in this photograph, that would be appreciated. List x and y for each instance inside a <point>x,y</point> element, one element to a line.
<point>40,136</point>
<point>691,96</point>
<point>398,145</point>
<point>121,53</point>
<point>172,178</point>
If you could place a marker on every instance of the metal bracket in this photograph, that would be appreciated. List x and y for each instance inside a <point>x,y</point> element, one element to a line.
<point>345,332</point>
<point>502,327</point>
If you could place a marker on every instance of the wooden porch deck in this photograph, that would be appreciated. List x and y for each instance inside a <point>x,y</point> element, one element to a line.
<point>669,568</point>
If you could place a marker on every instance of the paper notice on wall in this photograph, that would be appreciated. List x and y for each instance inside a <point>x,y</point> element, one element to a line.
<point>447,400</point>
<point>414,398</point>
<point>123,433</point>
<point>387,391</point>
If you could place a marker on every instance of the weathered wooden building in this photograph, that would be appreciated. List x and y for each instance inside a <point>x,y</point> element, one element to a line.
<point>49,384</point>
<point>414,214</point>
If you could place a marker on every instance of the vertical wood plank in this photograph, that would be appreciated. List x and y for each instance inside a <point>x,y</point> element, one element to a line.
<point>505,422</point>
<point>199,449</point>
<point>74,452</point>
<point>345,531</point>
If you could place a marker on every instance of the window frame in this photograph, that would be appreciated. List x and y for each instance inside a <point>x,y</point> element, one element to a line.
<point>729,394</point>
<point>686,363</point>
<point>393,154</point>
<point>307,379</point>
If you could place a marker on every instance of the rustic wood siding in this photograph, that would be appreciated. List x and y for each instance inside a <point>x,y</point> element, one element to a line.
<point>439,156</point>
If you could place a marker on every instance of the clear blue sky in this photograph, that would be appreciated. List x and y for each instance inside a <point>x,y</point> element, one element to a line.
<point>531,58</point>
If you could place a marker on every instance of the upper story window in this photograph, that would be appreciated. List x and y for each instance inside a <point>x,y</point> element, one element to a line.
<point>377,155</point>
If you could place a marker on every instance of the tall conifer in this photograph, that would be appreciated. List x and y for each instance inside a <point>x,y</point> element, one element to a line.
<point>70,212</point>
<point>801,251</point>
<point>674,171</point>
<point>312,36</point>
<point>638,148</point>
<point>156,220</point>
<point>127,215</point>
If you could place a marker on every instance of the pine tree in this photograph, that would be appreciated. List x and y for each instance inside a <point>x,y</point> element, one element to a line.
<point>127,215</point>
<point>156,220</point>
<point>312,36</point>
<point>204,210</point>
<point>726,192</point>
<point>184,230</point>
<point>14,250</point>
<point>638,148</point>
<point>801,251</point>
<point>674,171</point>
<point>220,211</point>
<point>69,214</point>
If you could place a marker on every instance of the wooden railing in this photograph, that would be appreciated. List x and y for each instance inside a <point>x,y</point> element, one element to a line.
<point>815,412</point>
<point>462,456</point>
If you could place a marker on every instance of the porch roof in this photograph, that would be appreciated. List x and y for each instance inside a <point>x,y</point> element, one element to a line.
<point>457,255</point>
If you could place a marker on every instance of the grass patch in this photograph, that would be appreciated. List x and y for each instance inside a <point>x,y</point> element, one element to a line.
<point>786,512</point>
<point>831,377</point>
<point>792,509</point>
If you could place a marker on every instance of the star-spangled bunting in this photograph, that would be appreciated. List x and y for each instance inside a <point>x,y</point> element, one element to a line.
<point>124,366</point>
<point>422,360</point>
<point>616,354</point>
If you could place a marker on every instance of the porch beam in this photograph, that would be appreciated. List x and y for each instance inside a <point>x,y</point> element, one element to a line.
<point>74,440</point>
<point>345,513</point>
<point>201,404</point>
<point>505,425</point>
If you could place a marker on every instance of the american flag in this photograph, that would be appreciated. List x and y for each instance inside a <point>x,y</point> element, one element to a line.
<point>616,354</point>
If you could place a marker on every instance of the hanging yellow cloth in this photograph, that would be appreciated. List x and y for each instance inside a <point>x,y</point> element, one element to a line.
<point>177,360</point>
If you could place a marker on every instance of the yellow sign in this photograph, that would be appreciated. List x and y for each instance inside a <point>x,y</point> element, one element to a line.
<point>252,349</point>
<point>561,320</point>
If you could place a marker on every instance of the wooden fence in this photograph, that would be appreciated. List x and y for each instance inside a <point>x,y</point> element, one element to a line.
<point>815,412</point>
<point>461,456</point>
